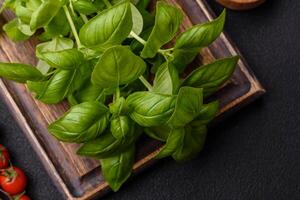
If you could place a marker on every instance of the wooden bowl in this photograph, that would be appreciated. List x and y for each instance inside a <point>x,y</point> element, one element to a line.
<point>240,4</point>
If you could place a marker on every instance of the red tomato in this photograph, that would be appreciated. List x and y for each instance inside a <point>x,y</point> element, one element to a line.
<point>22,197</point>
<point>4,157</point>
<point>13,180</point>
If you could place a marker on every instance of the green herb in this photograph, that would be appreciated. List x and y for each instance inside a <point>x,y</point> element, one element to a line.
<point>102,56</point>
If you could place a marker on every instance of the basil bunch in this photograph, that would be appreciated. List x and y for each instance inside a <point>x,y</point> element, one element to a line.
<point>100,55</point>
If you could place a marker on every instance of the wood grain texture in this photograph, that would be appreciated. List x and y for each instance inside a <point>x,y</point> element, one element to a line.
<point>80,178</point>
<point>241,4</point>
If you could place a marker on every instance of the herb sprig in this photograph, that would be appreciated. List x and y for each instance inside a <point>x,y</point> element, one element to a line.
<point>100,55</point>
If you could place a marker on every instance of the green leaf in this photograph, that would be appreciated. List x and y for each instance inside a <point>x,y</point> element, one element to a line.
<point>104,146</point>
<point>150,109</point>
<point>122,127</point>
<point>212,76</point>
<point>65,59</point>
<point>85,7</point>
<point>191,143</point>
<point>45,13</point>
<point>201,35</point>
<point>115,23</point>
<point>143,4</point>
<point>57,26</point>
<point>175,137</point>
<point>184,143</point>
<point>183,57</point>
<point>43,67</point>
<point>118,107</point>
<point>20,72</point>
<point>166,79</point>
<point>117,66</point>
<point>117,169</point>
<point>58,87</point>
<point>160,133</point>
<point>167,21</point>
<point>56,44</point>
<point>188,106</point>
<point>137,20</point>
<point>208,113</point>
<point>81,123</point>
<point>23,13</point>
<point>17,31</point>
<point>90,92</point>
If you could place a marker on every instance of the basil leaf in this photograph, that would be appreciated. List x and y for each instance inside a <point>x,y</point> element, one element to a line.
<point>45,13</point>
<point>188,106</point>
<point>191,144</point>
<point>85,7</point>
<point>137,20</point>
<point>17,31</point>
<point>210,77</point>
<point>118,107</point>
<point>117,169</point>
<point>65,59</point>
<point>81,123</point>
<point>33,4</point>
<point>104,146</point>
<point>166,80</point>
<point>57,26</point>
<point>58,87</point>
<point>173,142</point>
<point>201,35</point>
<point>56,44</point>
<point>43,67</point>
<point>167,22</point>
<point>160,133</point>
<point>23,13</point>
<point>115,23</point>
<point>143,4</point>
<point>207,113</point>
<point>117,66</point>
<point>184,143</point>
<point>190,41</point>
<point>20,72</point>
<point>150,109</point>
<point>122,127</point>
<point>90,92</point>
<point>183,57</point>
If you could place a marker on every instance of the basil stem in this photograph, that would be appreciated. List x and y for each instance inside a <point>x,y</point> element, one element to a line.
<point>72,25</point>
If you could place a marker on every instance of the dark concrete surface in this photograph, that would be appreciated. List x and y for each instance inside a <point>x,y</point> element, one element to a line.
<point>254,154</point>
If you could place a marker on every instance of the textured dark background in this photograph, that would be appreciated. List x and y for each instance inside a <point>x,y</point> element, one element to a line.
<point>254,154</point>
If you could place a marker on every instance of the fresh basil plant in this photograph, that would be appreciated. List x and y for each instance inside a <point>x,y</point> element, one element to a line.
<point>108,59</point>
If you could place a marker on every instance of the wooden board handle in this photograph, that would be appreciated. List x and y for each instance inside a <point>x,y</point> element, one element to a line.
<point>240,4</point>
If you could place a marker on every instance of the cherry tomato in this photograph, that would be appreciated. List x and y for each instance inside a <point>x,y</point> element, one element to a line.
<point>13,180</point>
<point>22,197</point>
<point>4,157</point>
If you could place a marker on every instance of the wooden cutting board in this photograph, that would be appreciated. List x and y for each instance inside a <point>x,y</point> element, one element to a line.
<point>80,178</point>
